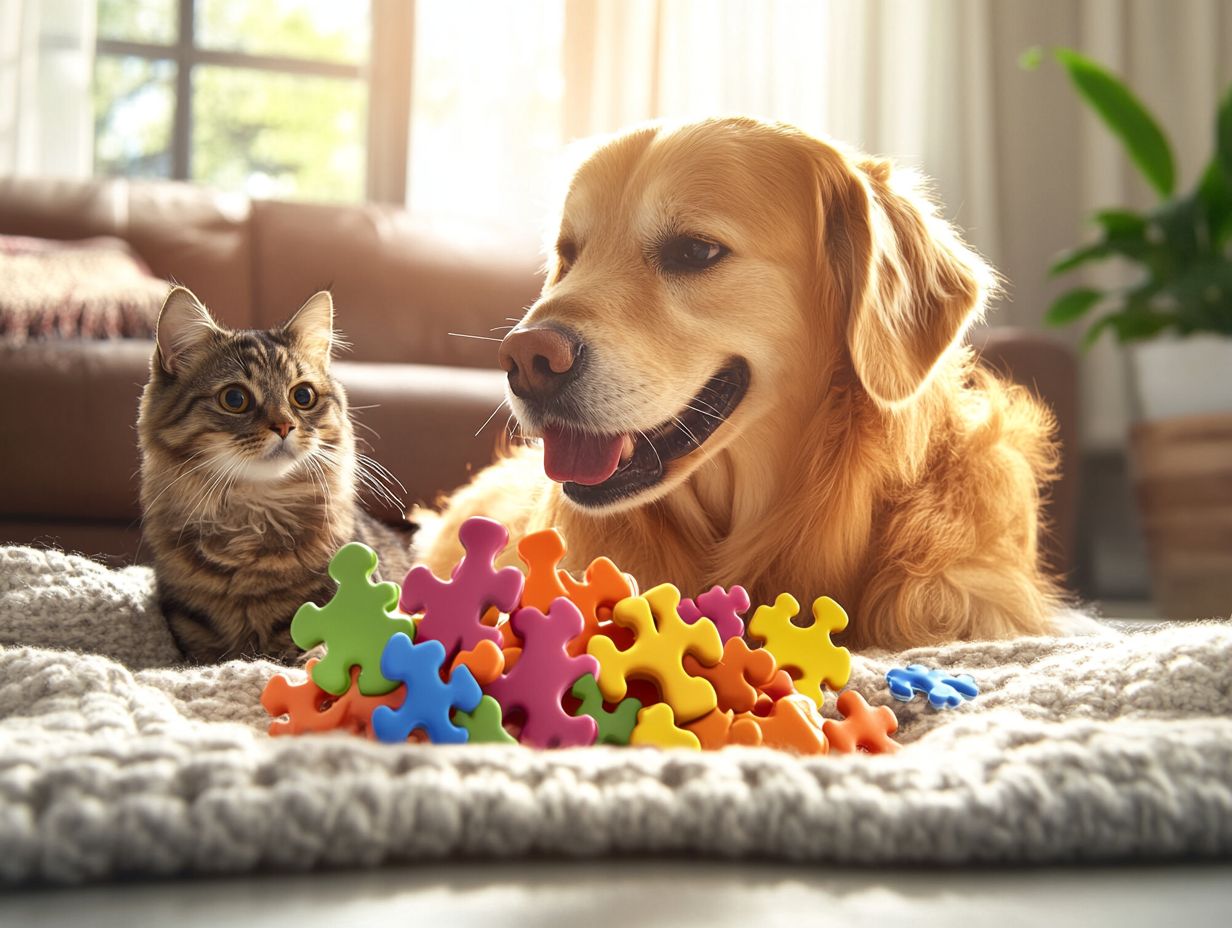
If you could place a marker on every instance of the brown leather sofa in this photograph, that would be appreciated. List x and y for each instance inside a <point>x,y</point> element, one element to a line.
<point>68,469</point>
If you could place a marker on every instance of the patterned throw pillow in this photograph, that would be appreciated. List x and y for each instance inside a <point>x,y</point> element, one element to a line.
<point>91,288</point>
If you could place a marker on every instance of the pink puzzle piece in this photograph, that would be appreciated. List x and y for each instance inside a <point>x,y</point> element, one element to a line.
<point>722,607</point>
<point>543,674</point>
<point>453,609</point>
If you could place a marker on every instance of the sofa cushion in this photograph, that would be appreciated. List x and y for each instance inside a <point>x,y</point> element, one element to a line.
<point>188,234</point>
<point>400,289</point>
<point>93,288</point>
<point>71,441</point>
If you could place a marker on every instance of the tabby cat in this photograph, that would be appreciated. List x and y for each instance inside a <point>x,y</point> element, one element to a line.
<point>249,478</point>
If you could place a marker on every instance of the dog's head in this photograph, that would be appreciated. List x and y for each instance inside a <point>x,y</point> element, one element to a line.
<point>702,275</point>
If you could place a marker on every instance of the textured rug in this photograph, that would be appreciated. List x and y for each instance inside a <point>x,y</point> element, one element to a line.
<point>115,762</point>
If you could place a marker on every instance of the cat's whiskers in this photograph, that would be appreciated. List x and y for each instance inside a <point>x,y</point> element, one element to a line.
<point>212,460</point>
<point>373,475</point>
<point>207,493</point>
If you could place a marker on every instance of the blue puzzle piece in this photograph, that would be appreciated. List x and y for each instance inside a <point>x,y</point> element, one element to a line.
<point>429,699</point>
<point>942,690</point>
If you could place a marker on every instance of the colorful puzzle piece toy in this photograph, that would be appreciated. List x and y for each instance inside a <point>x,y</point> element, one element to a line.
<point>738,676</point>
<point>793,724</point>
<point>718,729</point>
<point>453,609</point>
<point>354,625</point>
<point>656,726</point>
<point>613,727</point>
<point>942,690</point>
<point>863,728</point>
<point>576,661</point>
<point>806,653</point>
<point>307,707</point>
<point>486,661</point>
<point>429,699</point>
<point>725,608</point>
<point>484,725</point>
<point>662,641</point>
<point>544,672</point>
<point>602,586</point>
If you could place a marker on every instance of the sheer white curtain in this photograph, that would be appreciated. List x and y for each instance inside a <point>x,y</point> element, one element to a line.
<point>46,58</point>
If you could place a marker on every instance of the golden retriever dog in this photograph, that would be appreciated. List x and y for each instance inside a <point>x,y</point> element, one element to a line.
<point>748,366</point>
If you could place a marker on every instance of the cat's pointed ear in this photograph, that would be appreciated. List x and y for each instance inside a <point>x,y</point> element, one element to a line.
<point>184,325</point>
<point>313,326</point>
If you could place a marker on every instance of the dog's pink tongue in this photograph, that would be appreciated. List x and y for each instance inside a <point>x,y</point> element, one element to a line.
<point>578,457</point>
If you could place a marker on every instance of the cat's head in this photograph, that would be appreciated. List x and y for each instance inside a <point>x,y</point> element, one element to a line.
<point>251,406</point>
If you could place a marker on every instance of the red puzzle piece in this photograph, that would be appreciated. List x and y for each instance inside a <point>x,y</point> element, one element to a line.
<point>453,609</point>
<point>863,728</point>
<point>309,708</point>
<point>738,676</point>
<point>544,672</point>
<point>780,685</point>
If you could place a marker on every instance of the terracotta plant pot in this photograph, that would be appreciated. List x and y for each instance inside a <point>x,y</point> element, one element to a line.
<point>1182,470</point>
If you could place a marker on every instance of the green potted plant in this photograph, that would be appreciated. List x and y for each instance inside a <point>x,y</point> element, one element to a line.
<point>1176,316</point>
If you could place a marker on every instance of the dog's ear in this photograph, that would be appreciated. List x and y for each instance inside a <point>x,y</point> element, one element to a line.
<point>912,288</point>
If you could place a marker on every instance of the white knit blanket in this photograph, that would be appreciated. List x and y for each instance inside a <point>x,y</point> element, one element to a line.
<point>113,762</point>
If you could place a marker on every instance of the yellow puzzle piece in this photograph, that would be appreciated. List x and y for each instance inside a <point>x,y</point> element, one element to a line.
<point>805,653</point>
<point>662,640</point>
<point>656,726</point>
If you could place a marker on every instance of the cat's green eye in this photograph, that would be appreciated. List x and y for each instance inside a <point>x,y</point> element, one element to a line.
<point>234,399</point>
<point>304,396</point>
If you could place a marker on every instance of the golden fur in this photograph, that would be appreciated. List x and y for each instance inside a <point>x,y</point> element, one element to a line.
<point>871,458</point>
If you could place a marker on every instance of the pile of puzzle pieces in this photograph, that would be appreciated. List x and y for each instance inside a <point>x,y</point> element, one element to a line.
<point>544,659</point>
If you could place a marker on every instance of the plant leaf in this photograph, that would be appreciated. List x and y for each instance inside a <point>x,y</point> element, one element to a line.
<point>1215,195</point>
<point>1031,58</point>
<point>1223,135</point>
<point>1121,223</point>
<point>1178,221</point>
<point>1075,257</point>
<point>1125,115</point>
<point>1091,336</point>
<point>1073,305</point>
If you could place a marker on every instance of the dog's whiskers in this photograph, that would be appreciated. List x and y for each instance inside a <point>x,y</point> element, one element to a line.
<point>491,416</point>
<point>482,338</point>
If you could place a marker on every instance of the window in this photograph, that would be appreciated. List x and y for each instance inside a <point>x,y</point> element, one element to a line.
<point>273,98</point>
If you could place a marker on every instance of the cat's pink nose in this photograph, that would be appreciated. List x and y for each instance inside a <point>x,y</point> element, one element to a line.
<point>282,428</point>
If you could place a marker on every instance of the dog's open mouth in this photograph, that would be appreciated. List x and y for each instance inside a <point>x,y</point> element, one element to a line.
<point>598,470</point>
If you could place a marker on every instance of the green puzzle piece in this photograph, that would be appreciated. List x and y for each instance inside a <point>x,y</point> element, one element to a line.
<point>484,726</point>
<point>354,626</point>
<point>615,727</point>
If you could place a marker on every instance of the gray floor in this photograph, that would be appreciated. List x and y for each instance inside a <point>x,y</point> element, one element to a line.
<point>646,893</point>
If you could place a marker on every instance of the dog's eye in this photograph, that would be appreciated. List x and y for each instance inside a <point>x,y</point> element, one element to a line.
<point>690,254</point>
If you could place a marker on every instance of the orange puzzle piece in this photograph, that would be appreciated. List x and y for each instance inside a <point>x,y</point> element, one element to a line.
<point>793,724</point>
<point>737,677</point>
<point>716,730</point>
<point>486,661</point>
<point>309,708</point>
<point>602,586</point>
<point>780,685</point>
<point>863,728</point>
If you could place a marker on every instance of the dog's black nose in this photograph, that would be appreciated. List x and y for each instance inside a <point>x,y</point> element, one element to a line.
<point>539,361</point>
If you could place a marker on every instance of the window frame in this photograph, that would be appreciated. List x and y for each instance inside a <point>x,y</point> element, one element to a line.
<point>387,74</point>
